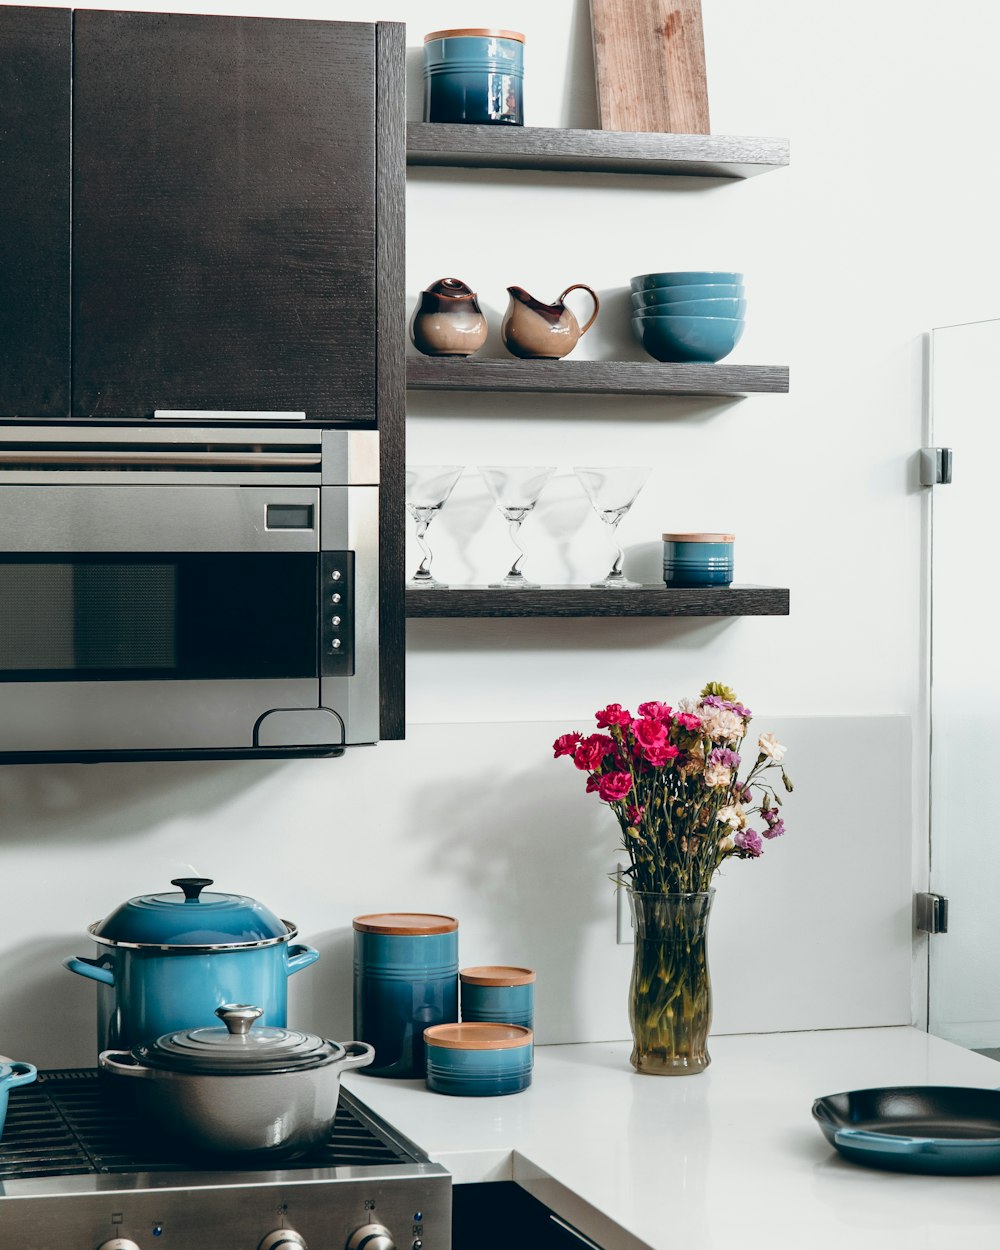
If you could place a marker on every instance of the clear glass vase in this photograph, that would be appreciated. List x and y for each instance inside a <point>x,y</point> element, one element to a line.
<point>670,996</point>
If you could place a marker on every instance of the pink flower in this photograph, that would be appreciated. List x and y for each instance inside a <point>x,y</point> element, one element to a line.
<point>613,714</point>
<point>590,751</point>
<point>593,782</point>
<point>635,814</point>
<point>748,840</point>
<point>656,711</point>
<point>687,720</point>
<point>614,786</point>
<point>660,755</point>
<point>649,733</point>
<point>565,744</point>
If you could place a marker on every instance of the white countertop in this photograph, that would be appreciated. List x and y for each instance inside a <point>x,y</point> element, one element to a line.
<point>729,1158</point>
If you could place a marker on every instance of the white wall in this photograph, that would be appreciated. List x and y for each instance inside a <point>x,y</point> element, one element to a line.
<point>877,230</point>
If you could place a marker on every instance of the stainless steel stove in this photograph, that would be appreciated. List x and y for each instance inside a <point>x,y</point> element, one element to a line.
<point>80,1171</point>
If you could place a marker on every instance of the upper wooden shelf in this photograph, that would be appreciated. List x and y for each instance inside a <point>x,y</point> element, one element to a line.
<point>592,151</point>
<point>593,377</point>
<point>580,601</point>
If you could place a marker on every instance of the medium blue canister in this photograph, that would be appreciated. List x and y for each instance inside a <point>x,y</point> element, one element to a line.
<point>474,77</point>
<point>698,559</point>
<point>405,980</point>
<point>478,1060</point>
<point>498,995</point>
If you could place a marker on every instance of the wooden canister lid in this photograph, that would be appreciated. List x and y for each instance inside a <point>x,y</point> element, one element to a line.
<point>484,33</point>
<point>699,538</point>
<point>412,923</point>
<point>496,974</point>
<point>477,1035</point>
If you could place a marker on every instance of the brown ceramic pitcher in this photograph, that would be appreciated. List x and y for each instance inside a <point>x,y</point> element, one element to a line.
<point>537,331</point>
<point>448,321</point>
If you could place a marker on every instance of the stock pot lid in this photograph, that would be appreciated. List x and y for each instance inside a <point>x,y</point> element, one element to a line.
<point>190,917</point>
<point>238,1047</point>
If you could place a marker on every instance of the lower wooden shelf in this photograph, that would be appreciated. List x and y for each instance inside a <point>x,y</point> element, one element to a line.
<point>567,601</point>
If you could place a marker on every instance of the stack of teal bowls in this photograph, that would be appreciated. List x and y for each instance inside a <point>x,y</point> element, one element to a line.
<point>691,315</point>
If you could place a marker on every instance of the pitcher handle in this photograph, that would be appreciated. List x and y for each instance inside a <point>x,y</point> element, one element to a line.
<point>582,286</point>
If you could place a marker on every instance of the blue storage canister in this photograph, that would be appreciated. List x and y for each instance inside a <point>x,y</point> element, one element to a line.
<point>478,1060</point>
<point>698,559</point>
<point>498,995</point>
<point>474,77</point>
<point>405,980</point>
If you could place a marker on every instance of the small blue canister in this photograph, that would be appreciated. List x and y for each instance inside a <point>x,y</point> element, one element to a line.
<point>698,559</point>
<point>478,1060</point>
<point>498,995</point>
<point>474,77</point>
<point>405,980</point>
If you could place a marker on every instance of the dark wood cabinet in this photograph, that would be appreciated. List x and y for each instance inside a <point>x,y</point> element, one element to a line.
<point>35,78</point>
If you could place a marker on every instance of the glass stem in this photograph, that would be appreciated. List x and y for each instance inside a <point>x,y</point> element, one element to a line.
<point>423,572</point>
<point>513,530</point>
<point>616,568</point>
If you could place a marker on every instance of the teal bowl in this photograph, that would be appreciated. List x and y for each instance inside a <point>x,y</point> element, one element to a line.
<point>696,308</point>
<point>478,1060</point>
<point>659,295</point>
<point>686,277</point>
<point>688,339</point>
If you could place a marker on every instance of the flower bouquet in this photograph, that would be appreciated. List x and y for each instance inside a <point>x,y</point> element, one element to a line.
<point>672,779</point>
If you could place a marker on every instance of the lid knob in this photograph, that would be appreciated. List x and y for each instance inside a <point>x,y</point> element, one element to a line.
<point>238,1017</point>
<point>192,886</point>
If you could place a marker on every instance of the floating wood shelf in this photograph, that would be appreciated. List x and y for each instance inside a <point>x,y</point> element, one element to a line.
<point>592,151</point>
<point>565,601</point>
<point>593,377</point>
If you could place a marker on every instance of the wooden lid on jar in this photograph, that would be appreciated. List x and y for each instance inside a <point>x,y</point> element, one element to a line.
<point>412,923</point>
<point>699,538</point>
<point>477,1035</point>
<point>480,32</point>
<point>496,974</point>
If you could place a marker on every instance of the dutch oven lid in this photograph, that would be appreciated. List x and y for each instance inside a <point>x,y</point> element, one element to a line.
<point>238,1048</point>
<point>190,917</point>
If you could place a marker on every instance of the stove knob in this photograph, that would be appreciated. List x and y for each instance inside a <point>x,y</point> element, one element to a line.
<point>118,1243</point>
<point>283,1239</point>
<point>371,1237</point>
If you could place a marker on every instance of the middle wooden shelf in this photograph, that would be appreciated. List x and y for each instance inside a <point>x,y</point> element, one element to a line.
<point>592,377</point>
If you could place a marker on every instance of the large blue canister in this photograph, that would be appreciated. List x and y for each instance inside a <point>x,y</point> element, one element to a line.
<point>474,76</point>
<point>405,981</point>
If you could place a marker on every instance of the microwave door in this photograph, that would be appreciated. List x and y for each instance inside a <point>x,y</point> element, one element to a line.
<point>173,619</point>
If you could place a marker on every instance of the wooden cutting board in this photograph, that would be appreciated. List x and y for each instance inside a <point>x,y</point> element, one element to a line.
<point>650,61</point>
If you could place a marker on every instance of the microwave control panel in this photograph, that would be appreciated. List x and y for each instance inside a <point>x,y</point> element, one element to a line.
<point>336,614</point>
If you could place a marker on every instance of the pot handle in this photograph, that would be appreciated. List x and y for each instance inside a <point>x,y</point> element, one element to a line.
<point>582,286</point>
<point>359,1055</point>
<point>111,1061</point>
<point>21,1074</point>
<point>301,956</point>
<point>885,1143</point>
<point>90,968</point>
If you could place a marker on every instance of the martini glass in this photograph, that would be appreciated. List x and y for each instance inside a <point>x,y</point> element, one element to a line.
<point>427,491</point>
<point>515,491</point>
<point>611,493</point>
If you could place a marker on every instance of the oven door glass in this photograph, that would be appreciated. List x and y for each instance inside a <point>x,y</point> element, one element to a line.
<point>165,616</point>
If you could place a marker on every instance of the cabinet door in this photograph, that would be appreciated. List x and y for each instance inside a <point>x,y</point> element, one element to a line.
<point>35,75</point>
<point>223,215</point>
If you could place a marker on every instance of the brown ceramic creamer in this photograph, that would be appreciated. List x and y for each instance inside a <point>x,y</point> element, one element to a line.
<point>537,331</point>
<point>448,321</point>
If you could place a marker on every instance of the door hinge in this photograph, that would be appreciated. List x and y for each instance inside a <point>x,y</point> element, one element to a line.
<point>935,466</point>
<point>931,913</point>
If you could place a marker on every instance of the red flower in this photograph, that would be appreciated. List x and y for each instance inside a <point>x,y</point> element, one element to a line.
<point>614,786</point>
<point>590,751</point>
<point>661,754</point>
<point>656,711</point>
<point>635,814</point>
<point>688,721</point>
<point>649,733</point>
<point>613,714</point>
<point>565,744</point>
<point>593,783</point>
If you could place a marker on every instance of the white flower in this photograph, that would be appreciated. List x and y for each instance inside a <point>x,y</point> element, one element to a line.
<point>722,725</point>
<point>768,744</point>
<point>718,775</point>
<point>732,815</point>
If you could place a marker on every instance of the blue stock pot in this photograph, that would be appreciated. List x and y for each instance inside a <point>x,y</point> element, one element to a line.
<point>167,961</point>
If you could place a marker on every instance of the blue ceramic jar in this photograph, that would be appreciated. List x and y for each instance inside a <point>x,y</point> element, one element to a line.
<point>474,77</point>
<point>405,980</point>
<point>498,995</point>
<point>698,559</point>
<point>478,1060</point>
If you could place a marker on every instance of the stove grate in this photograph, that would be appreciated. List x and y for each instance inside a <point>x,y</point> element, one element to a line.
<point>74,1121</point>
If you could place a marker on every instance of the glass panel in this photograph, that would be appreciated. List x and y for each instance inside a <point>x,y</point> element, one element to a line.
<point>964,989</point>
<point>180,616</point>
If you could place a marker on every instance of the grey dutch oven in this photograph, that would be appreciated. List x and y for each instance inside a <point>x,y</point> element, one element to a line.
<point>261,1092</point>
<point>166,961</point>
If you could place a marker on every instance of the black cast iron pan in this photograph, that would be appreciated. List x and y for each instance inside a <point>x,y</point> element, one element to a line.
<point>944,1129</point>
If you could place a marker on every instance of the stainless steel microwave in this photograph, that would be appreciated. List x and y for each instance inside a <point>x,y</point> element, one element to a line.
<point>175,591</point>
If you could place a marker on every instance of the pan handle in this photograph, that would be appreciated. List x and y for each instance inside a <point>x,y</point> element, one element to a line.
<point>882,1143</point>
